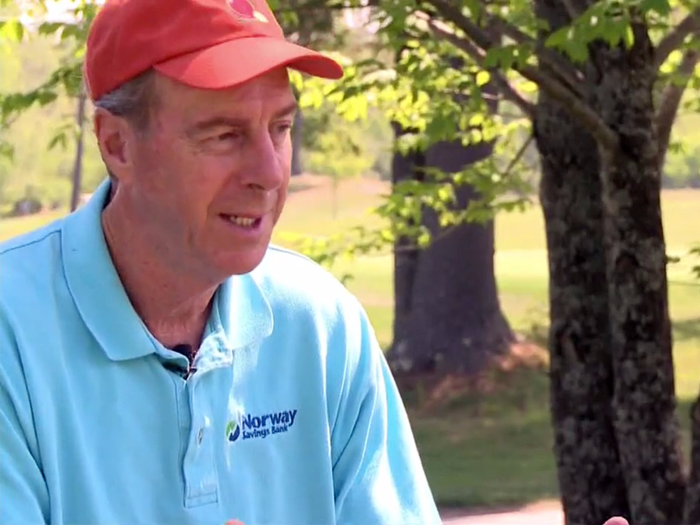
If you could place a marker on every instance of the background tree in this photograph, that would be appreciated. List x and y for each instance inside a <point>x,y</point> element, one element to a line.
<point>313,26</point>
<point>448,316</point>
<point>63,87</point>
<point>601,69</point>
<point>579,336</point>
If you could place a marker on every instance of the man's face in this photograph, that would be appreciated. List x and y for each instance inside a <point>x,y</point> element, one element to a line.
<point>207,181</point>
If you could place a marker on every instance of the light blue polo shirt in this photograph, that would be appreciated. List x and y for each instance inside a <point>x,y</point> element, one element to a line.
<point>292,416</point>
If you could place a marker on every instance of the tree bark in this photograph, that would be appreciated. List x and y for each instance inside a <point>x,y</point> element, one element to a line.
<point>406,257</point>
<point>644,400</point>
<point>591,481</point>
<point>448,314</point>
<point>691,511</point>
<point>589,472</point>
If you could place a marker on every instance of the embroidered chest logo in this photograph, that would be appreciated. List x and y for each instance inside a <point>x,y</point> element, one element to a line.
<point>260,426</point>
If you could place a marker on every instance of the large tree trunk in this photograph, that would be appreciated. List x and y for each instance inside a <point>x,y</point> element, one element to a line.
<point>691,514</point>
<point>624,224</point>
<point>590,477</point>
<point>644,400</point>
<point>591,482</point>
<point>448,314</point>
<point>404,168</point>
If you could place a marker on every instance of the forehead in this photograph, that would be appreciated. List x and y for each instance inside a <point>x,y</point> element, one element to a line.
<point>262,95</point>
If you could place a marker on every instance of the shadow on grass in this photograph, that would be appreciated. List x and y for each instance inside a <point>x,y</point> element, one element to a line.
<point>494,450</point>
<point>686,329</point>
<point>488,449</point>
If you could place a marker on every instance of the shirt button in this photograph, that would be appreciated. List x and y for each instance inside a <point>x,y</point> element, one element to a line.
<point>200,436</point>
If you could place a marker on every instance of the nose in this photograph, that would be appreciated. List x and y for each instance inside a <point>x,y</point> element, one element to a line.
<point>266,163</point>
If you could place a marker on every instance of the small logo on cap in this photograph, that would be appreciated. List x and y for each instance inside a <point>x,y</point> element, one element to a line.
<point>245,10</point>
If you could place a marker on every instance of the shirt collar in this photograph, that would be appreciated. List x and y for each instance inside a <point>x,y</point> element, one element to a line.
<point>243,314</point>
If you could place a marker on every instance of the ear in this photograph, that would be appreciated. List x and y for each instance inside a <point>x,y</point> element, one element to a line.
<point>115,139</point>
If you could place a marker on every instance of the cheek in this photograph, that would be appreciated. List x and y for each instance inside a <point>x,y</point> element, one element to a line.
<point>171,192</point>
<point>152,163</point>
<point>180,176</point>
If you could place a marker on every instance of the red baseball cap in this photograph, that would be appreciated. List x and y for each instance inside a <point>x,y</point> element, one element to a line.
<point>208,44</point>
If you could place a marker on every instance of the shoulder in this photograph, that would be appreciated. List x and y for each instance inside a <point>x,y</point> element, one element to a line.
<point>292,279</point>
<point>29,257</point>
<point>23,244</point>
<point>28,266</point>
<point>309,303</point>
<point>281,262</point>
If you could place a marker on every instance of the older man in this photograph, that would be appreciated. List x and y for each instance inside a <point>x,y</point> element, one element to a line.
<point>162,363</point>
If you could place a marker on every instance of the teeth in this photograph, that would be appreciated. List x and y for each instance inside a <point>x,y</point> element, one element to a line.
<point>241,221</point>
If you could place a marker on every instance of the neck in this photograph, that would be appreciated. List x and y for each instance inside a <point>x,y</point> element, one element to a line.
<point>174,307</point>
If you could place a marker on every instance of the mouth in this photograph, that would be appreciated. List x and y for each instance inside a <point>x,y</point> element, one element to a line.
<point>243,221</point>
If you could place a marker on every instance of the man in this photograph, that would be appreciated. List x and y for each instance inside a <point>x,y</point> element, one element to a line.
<point>162,363</point>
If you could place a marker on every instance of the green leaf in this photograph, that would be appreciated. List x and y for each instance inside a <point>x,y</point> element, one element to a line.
<point>11,30</point>
<point>661,7</point>
<point>482,78</point>
<point>629,37</point>
<point>559,38</point>
<point>7,150</point>
<point>476,120</point>
<point>58,140</point>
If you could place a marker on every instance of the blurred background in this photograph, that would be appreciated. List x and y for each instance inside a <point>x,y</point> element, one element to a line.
<point>421,181</point>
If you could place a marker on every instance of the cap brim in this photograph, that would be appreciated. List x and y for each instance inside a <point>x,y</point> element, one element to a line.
<point>236,61</point>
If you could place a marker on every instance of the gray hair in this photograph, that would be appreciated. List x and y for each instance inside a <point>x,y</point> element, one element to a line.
<point>134,100</point>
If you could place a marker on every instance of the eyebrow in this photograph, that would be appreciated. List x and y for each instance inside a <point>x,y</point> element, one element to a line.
<point>221,121</point>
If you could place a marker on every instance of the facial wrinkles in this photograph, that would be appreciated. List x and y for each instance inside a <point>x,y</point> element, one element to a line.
<point>255,104</point>
<point>259,147</point>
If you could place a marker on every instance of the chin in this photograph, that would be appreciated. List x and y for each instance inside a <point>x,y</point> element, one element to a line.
<point>242,262</point>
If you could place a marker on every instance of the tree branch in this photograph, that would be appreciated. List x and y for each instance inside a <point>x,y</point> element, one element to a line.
<point>571,9</point>
<point>590,120</point>
<point>547,57</point>
<point>565,71</point>
<point>674,39</point>
<point>670,101</point>
<point>548,83</point>
<point>519,155</point>
<point>452,13</point>
<point>508,91</point>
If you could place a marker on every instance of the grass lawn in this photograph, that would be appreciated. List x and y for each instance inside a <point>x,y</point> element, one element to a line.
<point>489,451</point>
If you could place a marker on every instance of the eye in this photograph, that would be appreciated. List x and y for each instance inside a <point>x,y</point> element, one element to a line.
<point>282,128</point>
<point>227,136</point>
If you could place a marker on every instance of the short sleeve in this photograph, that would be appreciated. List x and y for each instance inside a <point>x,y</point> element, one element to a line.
<point>378,474</point>
<point>23,493</point>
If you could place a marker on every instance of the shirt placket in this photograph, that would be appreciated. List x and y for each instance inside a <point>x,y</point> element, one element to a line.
<point>201,482</point>
<point>199,464</point>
